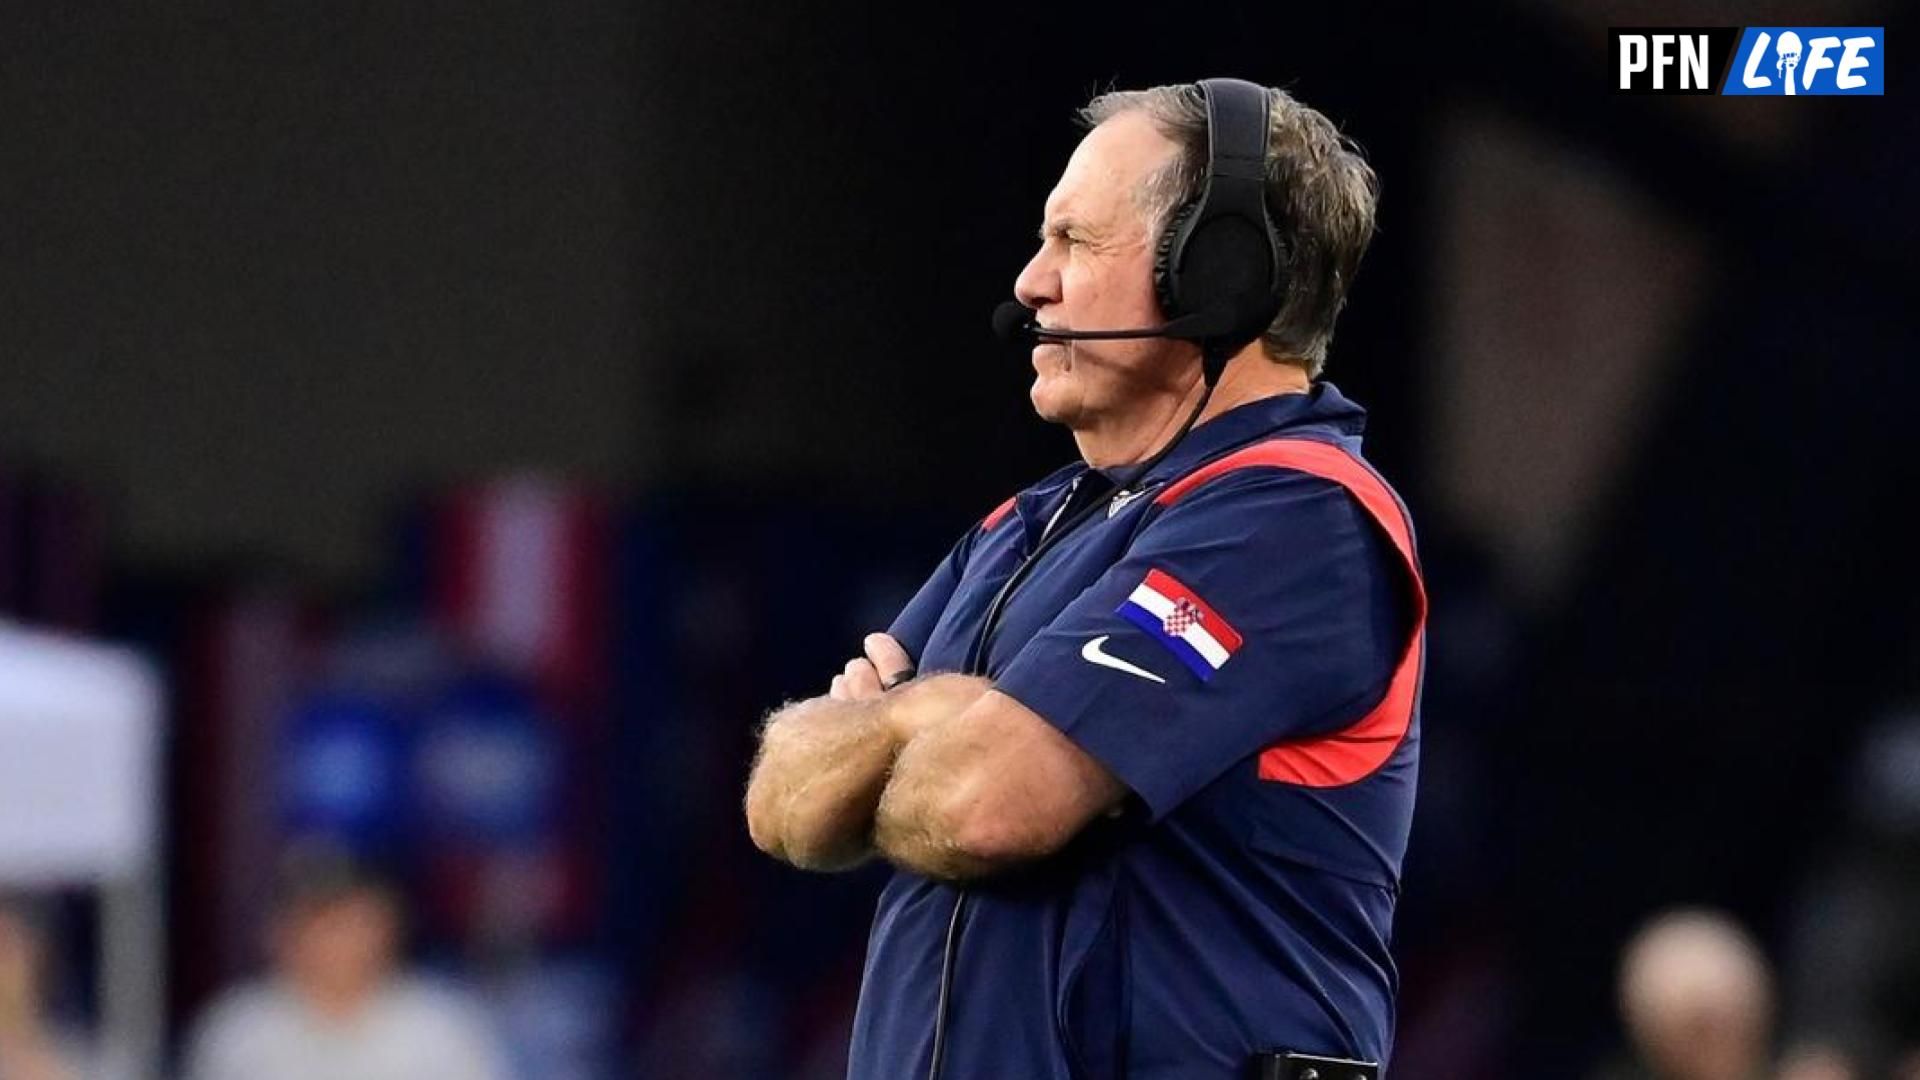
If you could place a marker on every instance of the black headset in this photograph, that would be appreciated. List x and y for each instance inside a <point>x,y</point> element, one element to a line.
<point>1220,250</point>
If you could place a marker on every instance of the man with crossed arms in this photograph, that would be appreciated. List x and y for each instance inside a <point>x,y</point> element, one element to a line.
<point>1177,801</point>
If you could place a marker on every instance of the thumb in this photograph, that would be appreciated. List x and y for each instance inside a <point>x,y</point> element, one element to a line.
<point>889,659</point>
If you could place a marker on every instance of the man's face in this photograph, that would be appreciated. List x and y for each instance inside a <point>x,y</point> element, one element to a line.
<point>339,949</point>
<point>1094,271</point>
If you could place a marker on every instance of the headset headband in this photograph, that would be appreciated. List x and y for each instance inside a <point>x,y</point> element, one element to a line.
<point>1219,254</point>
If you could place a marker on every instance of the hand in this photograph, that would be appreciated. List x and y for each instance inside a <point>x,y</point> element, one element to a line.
<point>884,666</point>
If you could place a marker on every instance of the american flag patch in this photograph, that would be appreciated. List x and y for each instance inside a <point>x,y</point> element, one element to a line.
<point>1178,619</point>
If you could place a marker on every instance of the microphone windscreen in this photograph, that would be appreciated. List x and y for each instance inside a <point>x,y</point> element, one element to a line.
<point>1012,322</point>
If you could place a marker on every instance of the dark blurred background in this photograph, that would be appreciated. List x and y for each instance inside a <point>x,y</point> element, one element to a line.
<point>478,415</point>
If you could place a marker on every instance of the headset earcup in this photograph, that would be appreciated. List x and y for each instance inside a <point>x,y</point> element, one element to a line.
<point>1166,258</point>
<point>1229,261</point>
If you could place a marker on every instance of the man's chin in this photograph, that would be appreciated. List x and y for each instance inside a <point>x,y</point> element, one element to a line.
<point>1048,402</point>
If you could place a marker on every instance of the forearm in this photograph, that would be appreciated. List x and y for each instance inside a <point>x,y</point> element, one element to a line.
<point>917,827</point>
<point>822,766</point>
<point>937,816</point>
<point>992,789</point>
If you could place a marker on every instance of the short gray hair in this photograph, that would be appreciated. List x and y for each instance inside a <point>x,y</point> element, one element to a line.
<point>1320,194</point>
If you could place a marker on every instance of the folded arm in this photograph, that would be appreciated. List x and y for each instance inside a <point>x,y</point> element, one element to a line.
<point>987,790</point>
<point>942,776</point>
<point>824,762</point>
<point>819,774</point>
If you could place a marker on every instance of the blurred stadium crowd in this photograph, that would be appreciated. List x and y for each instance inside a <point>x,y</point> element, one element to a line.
<point>556,832</point>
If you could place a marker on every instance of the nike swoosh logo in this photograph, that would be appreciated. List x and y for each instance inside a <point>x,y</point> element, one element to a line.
<point>1095,652</point>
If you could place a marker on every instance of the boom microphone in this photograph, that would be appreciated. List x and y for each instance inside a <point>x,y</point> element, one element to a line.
<point>1013,324</point>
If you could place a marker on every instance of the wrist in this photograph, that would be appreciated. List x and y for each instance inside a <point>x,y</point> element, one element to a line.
<point>898,714</point>
<point>927,702</point>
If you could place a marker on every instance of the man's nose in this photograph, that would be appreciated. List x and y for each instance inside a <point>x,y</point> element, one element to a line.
<point>1038,282</point>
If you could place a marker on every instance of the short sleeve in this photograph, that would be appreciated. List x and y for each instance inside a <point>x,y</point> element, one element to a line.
<point>914,626</point>
<point>1265,605</point>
